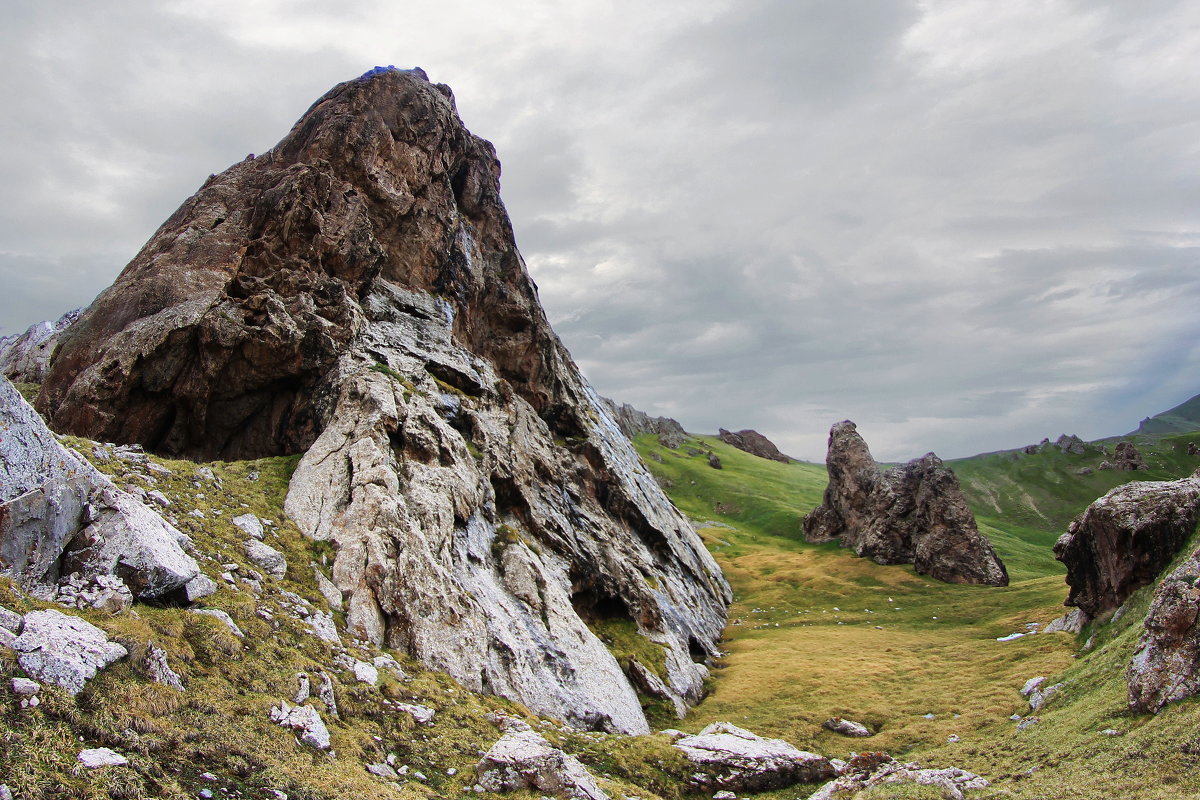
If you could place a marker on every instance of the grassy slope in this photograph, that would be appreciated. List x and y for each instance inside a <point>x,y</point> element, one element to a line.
<point>817,632</point>
<point>221,725</point>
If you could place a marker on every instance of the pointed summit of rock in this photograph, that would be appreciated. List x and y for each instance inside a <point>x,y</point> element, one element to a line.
<point>355,294</point>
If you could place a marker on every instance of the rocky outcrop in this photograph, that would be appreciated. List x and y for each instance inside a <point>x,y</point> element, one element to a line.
<point>522,760</point>
<point>60,516</point>
<point>910,514</point>
<point>64,650</point>
<point>26,358</point>
<point>633,422</point>
<point>869,770</point>
<point>1070,444</point>
<point>1166,663</point>
<point>726,757</point>
<point>1125,457</point>
<point>1122,541</point>
<point>754,443</point>
<point>356,294</point>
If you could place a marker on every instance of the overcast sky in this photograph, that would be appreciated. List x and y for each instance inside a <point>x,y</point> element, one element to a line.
<point>964,225</point>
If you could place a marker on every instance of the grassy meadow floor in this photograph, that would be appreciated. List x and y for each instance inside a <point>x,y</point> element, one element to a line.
<point>816,632</point>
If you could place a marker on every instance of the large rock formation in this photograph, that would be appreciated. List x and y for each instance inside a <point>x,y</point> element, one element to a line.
<point>753,443</point>
<point>26,358</point>
<point>910,514</point>
<point>633,422</point>
<point>356,293</point>
<point>1166,663</point>
<point>60,516</point>
<point>1125,457</point>
<point>1122,541</point>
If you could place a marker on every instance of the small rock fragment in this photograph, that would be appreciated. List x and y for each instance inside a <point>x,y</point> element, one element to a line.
<point>102,757</point>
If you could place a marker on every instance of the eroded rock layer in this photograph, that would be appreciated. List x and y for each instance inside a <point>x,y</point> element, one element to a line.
<point>911,514</point>
<point>1122,541</point>
<point>356,293</point>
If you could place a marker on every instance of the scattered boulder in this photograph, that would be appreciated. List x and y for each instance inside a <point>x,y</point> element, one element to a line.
<point>199,587</point>
<point>1039,696</point>
<point>524,760</point>
<point>1031,685</point>
<point>910,514</point>
<point>331,593</point>
<point>64,650</point>
<point>867,770</point>
<point>159,670</point>
<point>846,727</point>
<point>366,673</point>
<point>1071,444</point>
<point>102,757</point>
<point>1127,457</point>
<point>754,443</point>
<point>1193,449</point>
<point>422,715</point>
<point>250,525</point>
<point>26,358</point>
<point>267,557</point>
<point>1071,622</point>
<point>1122,541</point>
<point>714,461</point>
<point>59,515</point>
<point>1166,663</point>
<point>306,721</point>
<point>728,757</point>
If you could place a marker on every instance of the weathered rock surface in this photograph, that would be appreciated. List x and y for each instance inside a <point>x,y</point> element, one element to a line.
<point>1122,541</point>
<point>305,721</point>
<point>64,650</point>
<point>524,760</point>
<point>267,557</point>
<point>1071,444</point>
<point>101,757</point>
<point>59,515</point>
<point>753,443</point>
<point>633,422</point>
<point>728,757</point>
<point>26,358</point>
<point>1126,457</point>
<point>1166,663</point>
<point>910,514</point>
<point>356,293</point>
<point>878,769</point>
<point>846,727</point>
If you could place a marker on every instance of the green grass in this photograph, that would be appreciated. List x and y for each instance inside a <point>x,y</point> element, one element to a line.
<point>816,632</point>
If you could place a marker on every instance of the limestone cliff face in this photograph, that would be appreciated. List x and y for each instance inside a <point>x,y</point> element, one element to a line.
<point>356,294</point>
<point>910,514</point>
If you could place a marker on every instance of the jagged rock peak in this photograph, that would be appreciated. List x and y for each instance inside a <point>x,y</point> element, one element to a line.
<point>355,294</point>
<point>26,358</point>
<point>1122,541</point>
<point>633,422</point>
<point>753,443</point>
<point>911,514</point>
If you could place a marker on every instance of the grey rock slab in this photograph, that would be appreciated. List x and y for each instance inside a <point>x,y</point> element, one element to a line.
<point>250,525</point>
<point>729,757</point>
<point>199,587</point>
<point>158,668</point>
<point>101,757</point>
<point>305,721</point>
<point>23,687</point>
<point>331,593</point>
<point>1031,684</point>
<point>524,760</point>
<point>846,727</point>
<point>267,557</point>
<point>423,715</point>
<point>10,620</point>
<point>58,514</point>
<point>64,650</point>
<point>323,627</point>
<point>366,673</point>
